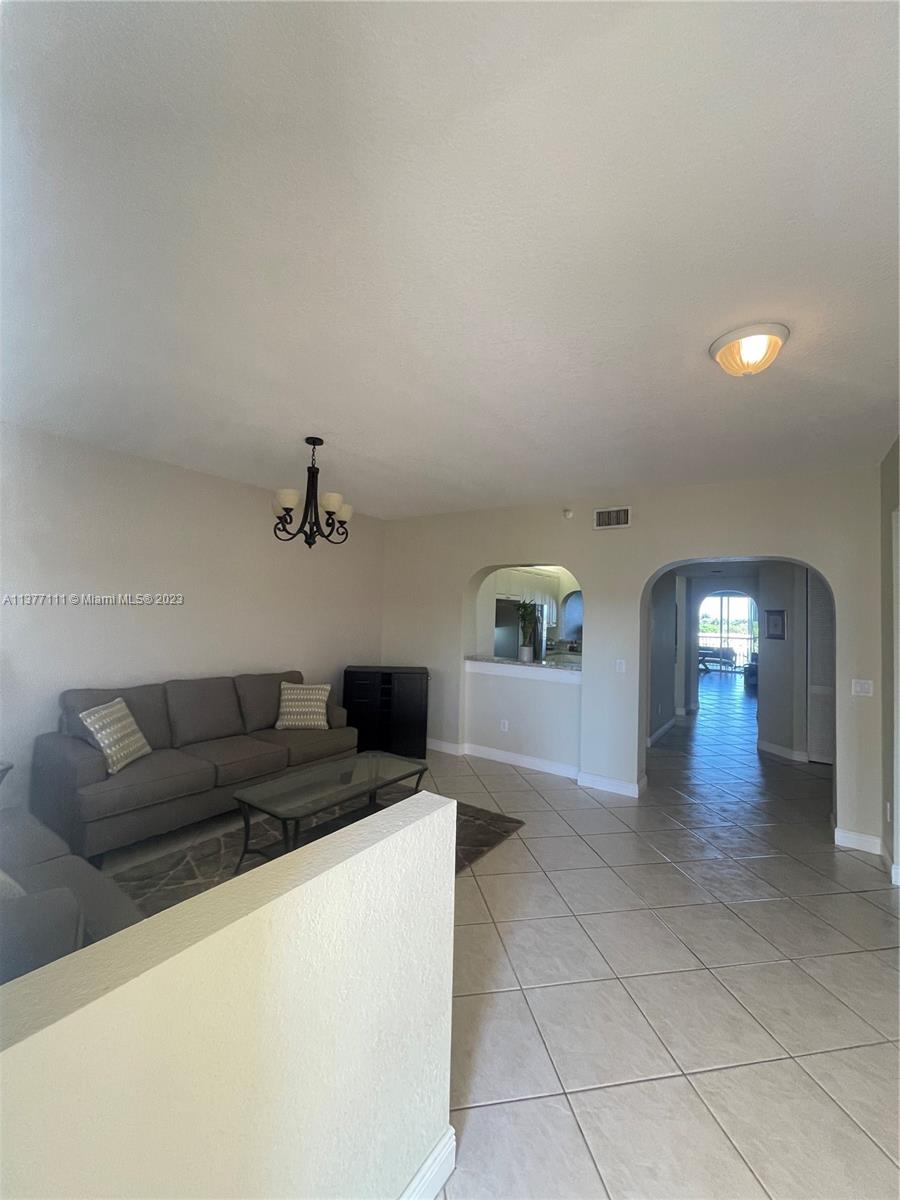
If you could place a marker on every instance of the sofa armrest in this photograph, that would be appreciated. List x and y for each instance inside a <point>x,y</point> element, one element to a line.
<point>61,765</point>
<point>337,716</point>
<point>37,929</point>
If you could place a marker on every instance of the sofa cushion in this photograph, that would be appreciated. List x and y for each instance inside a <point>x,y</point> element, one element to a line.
<point>259,696</point>
<point>239,758</point>
<point>162,775</point>
<point>203,709</point>
<point>105,906</point>
<point>147,704</point>
<point>308,745</point>
<point>24,840</point>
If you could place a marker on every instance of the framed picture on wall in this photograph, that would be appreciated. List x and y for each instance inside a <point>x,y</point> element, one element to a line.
<point>776,624</point>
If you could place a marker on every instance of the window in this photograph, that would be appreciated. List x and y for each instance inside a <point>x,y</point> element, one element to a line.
<point>572,617</point>
<point>728,629</point>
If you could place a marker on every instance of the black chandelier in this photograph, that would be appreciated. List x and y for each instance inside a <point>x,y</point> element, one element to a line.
<point>312,527</point>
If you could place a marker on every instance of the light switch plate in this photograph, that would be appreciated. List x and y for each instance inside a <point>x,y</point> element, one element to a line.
<point>620,666</point>
<point>862,687</point>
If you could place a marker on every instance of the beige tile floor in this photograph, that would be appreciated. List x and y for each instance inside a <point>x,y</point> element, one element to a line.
<point>692,995</point>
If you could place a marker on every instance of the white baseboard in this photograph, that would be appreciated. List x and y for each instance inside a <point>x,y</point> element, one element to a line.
<point>548,766</point>
<point>661,732</point>
<point>434,1172</point>
<point>783,752</point>
<point>445,747</point>
<point>857,841</point>
<point>619,787</point>
<point>570,770</point>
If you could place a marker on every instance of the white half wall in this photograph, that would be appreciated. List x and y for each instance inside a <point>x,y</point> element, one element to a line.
<point>286,1034</point>
<point>541,707</point>
<point>77,519</point>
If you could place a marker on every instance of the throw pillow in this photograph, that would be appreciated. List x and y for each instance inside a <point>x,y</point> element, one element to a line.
<point>303,706</point>
<point>9,889</point>
<point>117,734</point>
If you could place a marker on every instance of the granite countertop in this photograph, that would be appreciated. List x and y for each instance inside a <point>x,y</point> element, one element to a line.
<point>514,662</point>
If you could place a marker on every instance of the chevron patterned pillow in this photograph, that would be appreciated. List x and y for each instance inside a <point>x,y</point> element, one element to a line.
<point>116,733</point>
<point>303,706</point>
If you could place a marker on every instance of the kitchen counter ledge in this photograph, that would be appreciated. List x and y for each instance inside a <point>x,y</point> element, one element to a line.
<point>545,665</point>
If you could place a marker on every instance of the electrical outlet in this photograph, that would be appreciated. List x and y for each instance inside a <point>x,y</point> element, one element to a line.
<point>862,687</point>
<point>504,726</point>
<point>620,666</point>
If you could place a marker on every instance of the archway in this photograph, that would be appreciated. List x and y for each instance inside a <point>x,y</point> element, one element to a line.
<point>526,714</point>
<point>794,745</point>
<point>571,617</point>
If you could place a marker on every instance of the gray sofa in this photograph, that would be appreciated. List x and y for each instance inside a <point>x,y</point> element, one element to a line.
<point>66,902</point>
<point>208,737</point>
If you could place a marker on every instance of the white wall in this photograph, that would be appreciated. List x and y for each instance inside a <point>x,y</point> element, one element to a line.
<point>541,705</point>
<point>662,652</point>
<point>890,600</point>
<point>685,637</point>
<point>79,519</point>
<point>782,664</point>
<point>830,522</point>
<point>285,1035</point>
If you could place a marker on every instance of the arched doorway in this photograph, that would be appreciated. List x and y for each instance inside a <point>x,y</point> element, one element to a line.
<point>727,669</point>
<point>523,713</point>
<point>727,631</point>
<point>571,618</point>
<point>772,748</point>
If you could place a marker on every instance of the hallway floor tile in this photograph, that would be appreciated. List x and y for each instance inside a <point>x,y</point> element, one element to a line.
<point>712,1028</point>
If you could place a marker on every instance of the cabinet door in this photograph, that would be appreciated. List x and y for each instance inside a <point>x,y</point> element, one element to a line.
<point>362,701</point>
<point>409,714</point>
<point>517,584</point>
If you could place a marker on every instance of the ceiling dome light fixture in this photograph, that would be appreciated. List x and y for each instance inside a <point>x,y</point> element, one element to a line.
<point>749,350</point>
<point>312,527</point>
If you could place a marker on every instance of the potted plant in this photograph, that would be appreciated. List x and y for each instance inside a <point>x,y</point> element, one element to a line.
<point>527,620</point>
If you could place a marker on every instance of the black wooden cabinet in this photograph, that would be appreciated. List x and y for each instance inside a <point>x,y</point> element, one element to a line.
<point>389,707</point>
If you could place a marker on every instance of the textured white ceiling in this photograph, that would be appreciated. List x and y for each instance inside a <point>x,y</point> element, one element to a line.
<point>481,248</point>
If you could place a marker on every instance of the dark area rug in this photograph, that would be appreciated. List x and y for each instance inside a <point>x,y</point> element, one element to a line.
<point>160,882</point>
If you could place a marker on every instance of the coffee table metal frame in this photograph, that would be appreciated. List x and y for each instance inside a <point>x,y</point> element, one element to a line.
<point>290,835</point>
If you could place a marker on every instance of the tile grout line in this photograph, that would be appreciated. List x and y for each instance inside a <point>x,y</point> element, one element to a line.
<point>835,1100</point>
<point>726,1135</point>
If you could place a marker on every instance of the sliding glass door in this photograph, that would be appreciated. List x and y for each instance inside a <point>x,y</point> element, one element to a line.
<point>728,631</point>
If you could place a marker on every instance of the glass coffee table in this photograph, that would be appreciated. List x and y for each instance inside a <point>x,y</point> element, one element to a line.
<point>306,793</point>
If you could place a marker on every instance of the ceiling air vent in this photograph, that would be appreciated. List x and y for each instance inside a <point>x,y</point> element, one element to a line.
<point>612,518</point>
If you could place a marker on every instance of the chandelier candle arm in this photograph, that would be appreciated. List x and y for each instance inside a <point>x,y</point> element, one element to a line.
<point>311,526</point>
